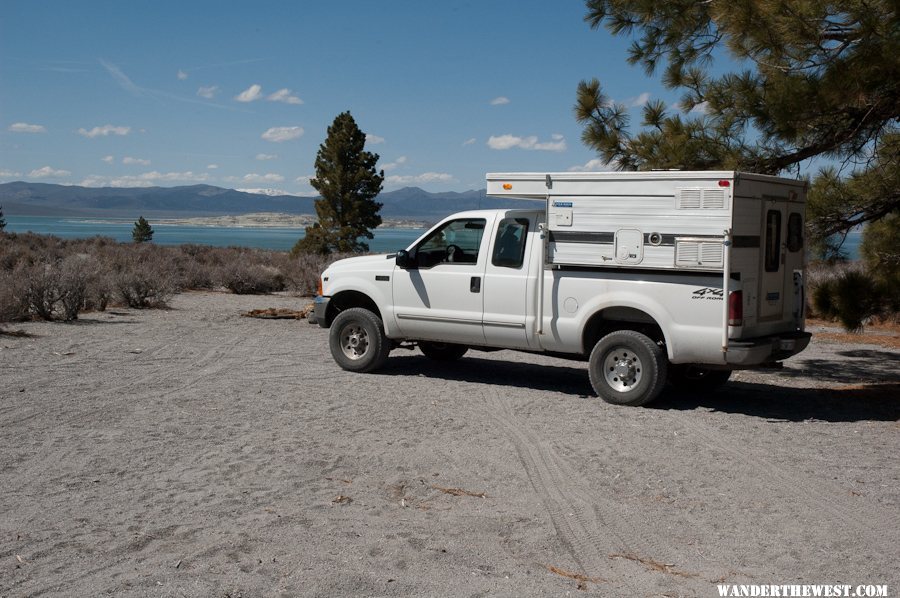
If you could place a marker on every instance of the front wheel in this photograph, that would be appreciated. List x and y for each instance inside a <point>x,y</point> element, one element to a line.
<point>627,368</point>
<point>442,351</point>
<point>357,340</point>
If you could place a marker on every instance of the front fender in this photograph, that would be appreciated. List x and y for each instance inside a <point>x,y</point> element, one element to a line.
<point>379,291</point>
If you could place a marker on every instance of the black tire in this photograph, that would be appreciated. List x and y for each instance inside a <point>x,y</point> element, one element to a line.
<point>627,368</point>
<point>357,340</point>
<point>442,351</point>
<point>693,378</point>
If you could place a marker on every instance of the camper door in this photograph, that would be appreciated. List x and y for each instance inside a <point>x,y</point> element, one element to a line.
<point>773,273</point>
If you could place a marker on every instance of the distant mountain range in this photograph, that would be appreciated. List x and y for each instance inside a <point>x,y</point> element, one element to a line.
<point>42,199</point>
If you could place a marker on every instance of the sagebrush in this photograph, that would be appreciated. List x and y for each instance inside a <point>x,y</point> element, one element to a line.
<point>46,277</point>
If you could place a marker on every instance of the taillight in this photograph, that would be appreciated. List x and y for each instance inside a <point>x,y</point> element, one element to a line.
<point>319,287</point>
<point>735,308</point>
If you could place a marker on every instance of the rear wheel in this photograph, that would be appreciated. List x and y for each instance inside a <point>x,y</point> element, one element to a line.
<point>627,368</point>
<point>357,340</point>
<point>691,377</point>
<point>442,351</point>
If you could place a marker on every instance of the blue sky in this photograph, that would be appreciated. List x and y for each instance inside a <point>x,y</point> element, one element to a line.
<point>240,94</point>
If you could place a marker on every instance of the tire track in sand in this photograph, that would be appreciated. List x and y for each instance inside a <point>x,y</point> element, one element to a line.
<point>591,527</point>
<point>54,448</point>
<point>806,492</point>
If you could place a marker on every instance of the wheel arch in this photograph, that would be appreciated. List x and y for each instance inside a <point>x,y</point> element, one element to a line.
<point>348,299</point>
<point>620,317</point>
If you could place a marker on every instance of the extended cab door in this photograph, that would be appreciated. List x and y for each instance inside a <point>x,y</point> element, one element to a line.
<point>506,284</point>
<point>441,297</point>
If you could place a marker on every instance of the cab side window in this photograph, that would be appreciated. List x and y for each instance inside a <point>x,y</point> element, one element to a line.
<point>456,242</point>
<point>509,246</point>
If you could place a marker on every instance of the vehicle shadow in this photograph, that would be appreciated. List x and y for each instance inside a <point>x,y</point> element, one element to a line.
<point>854,367</point>
<point>851,403</point>
<point>512,374</point>
<point>877,401</point>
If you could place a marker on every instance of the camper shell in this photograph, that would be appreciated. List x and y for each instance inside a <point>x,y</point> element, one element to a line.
<point>746,227</point>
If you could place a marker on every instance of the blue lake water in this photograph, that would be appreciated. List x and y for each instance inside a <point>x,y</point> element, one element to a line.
<point>283,239</point>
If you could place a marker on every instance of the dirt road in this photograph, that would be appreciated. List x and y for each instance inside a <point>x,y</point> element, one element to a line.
<point>193,452</point>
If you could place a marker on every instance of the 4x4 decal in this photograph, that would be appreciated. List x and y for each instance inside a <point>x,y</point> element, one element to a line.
<point>708,293</point>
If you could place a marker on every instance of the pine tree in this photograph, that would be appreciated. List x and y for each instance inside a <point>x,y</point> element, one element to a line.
<point>348,182</point>
<point>2,220</point>
<point>142,231</point>
<point>818,79</point>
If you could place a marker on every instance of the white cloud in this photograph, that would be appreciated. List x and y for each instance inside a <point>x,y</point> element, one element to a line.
<point>284,95</point>
<point>279,134</point>
<point>8,174</point>
<point>304,180</point>
<point>639,101</point>
<point>253,177</point>
<point>147,179</point>
<point>182,75</point>
<point>505,142</point>
<point>208,92</point>
<point>500,101</point>
<point>104,131</point>
<point>425,177</point>
<point>108,159</point>
<point>130,160</point>
<point>373,139</point>
<point>266,156</point>
<point>27,128</point>
<point>254,92</point>
<point>701,108</point>
<point>595,165</point>
<point>469,141</point>
<point>212,166</point>
<point>392,165</point>
<point>47,173</point>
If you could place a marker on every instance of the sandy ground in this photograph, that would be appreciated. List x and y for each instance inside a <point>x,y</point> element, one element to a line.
<point>193,452</point>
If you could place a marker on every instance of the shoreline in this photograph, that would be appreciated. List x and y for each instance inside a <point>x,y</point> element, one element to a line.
<point>252,220</point>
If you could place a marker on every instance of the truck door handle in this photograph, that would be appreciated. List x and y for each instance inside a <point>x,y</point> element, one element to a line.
<point>475,284</point>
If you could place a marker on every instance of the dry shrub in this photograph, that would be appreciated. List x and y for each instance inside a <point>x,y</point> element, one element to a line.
<point>251,279</point>
<point>13,307</point>
<point>143,277</point>
<point>41,281</point>
<point>51,278</point>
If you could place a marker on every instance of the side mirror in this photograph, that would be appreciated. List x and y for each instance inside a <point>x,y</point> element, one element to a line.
<point>405,260</point>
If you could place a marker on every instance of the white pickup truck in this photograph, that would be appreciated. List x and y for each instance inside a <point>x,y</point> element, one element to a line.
<point>641,274</point>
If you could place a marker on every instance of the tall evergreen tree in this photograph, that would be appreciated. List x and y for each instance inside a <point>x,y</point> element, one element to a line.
<point>348,182</point>
<point>2,220</point>
<point>142,231</point>
<point>816,79</point>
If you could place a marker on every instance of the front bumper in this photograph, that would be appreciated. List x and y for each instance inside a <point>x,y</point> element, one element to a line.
<point>321,310</point>
<point>766,349</point>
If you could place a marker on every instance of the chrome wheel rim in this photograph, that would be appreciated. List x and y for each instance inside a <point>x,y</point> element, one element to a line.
<point>354,341</point>
<point>622,369</point>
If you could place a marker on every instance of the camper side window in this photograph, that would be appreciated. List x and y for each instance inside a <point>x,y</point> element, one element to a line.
<point>773,240</point>
<point>795,232</point>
